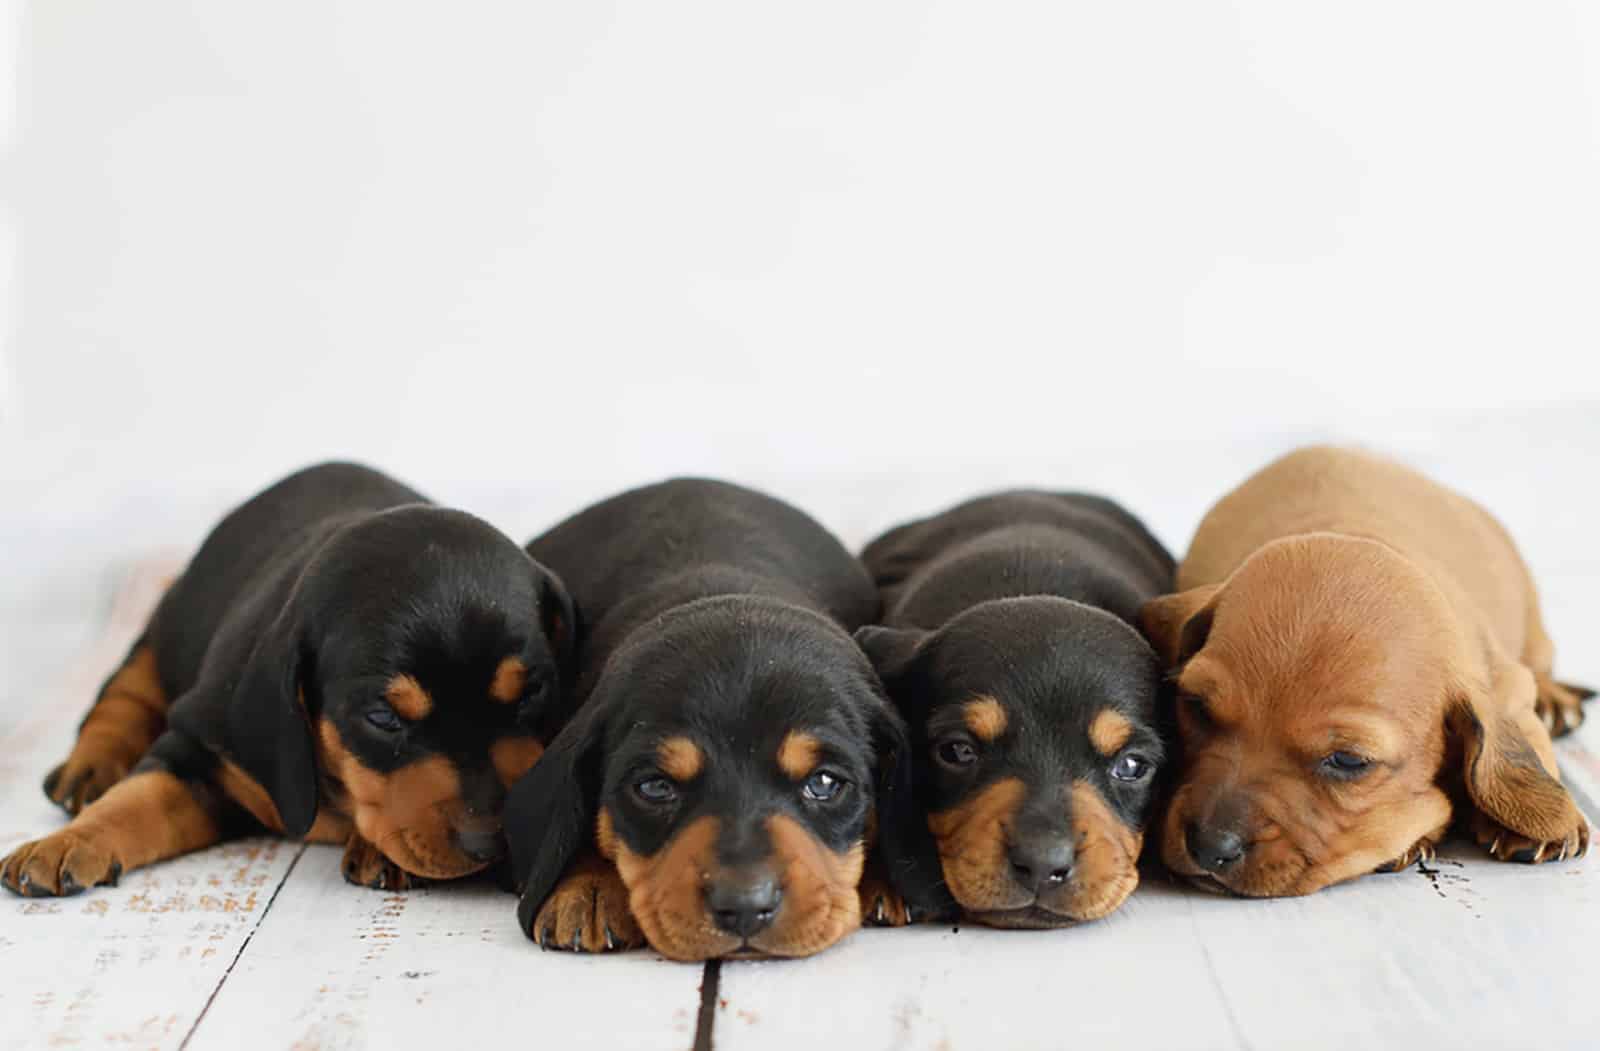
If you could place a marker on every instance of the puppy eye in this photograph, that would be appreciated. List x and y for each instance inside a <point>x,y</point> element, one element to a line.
<point>822,786</point>
<point>1194,706</point>
<point>957,752</point>
<point>384,718</point>
<point>1131,767</point>
<point>1345,764</point>
<point>656,791</point>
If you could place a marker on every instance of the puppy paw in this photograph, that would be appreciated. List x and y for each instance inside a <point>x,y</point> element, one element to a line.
<point>1506,845</point>
<point>82,779</point>
<point>881,905</point>
<point>65,863</point>
<point>1560,708</point>
<point>1421,850</point>
<point>588,912</point>
<point>366,866</point>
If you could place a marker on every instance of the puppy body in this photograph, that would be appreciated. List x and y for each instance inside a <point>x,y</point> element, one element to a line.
<point>1008,646</point>
<point>1359,650</point>
<point>339,661</point>
<point>714,790</point>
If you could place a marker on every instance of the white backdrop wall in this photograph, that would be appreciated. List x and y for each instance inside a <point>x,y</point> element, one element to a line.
<point>580,245</point>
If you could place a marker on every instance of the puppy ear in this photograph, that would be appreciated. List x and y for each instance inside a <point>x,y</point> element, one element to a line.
<point>1177,625</point>
<point>268,729</point>
<point>550,812</point>
<point>892,651</point>
<point>558,617</point>
<point>902,844</point>
<point>1508,761</point>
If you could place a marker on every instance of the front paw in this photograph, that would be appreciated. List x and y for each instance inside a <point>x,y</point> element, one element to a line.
<point>588,912</point>
<point>82,779</point>
<point>366,866</point>
<point>881,905</point>
<point>1560,708</point>
<point>64,863</point>
<point>1506,845</point>
<point>1422,850</point>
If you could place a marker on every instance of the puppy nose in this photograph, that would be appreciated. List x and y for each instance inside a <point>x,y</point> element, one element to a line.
<point>481,841</point>
<point>1214,849</point>
<point>1040,863</point>
<point>744,906</point>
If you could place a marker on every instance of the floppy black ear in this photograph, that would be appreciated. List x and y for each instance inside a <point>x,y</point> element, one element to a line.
<point>903,846</point>
<point>558,616</point>
<point>268,729</point>
<point>892,651</point>
<point>550,812</point>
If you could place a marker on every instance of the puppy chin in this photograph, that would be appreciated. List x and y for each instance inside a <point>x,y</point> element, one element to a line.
<point>1028,918</point>
<point>441,863</point>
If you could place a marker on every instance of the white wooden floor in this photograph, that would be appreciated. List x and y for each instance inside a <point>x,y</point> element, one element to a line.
<point>262,944</point>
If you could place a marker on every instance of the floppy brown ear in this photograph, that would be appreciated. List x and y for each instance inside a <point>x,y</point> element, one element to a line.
<point>1508,763</point>
<point>1177,625</point>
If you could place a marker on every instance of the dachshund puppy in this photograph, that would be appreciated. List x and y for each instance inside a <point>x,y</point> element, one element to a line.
<point>716,790</point>
<point>340,662</point>
<point>1032,700</point>
<point>1358,654</point>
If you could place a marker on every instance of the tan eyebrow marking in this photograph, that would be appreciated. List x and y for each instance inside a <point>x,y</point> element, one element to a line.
<point>985,717</point>
<point>509,678</point>
<point>680,758</point>
<point>1109,731</point>
<point>407,697</point>
<point>798,754</point>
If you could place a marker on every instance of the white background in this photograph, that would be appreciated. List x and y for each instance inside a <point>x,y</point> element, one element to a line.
<point>873,255</point>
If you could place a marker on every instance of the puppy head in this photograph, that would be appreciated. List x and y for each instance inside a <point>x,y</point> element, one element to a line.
<point>728,762</point>
<point>1323,692</point>
<point>1034,729</point>
<point>402,680</point>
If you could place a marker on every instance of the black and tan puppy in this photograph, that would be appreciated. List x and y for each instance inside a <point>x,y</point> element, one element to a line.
<point>1008,646</point>
<point>716,791</point>
<point>340,662</point>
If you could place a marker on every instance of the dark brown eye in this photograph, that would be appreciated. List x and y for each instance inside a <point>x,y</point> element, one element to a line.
<point>1345,765</point>
<point>1132,767</point>
<point>822,786</point>
<point>657,791</point>
<point>957,752</point>
<point>384,719</point>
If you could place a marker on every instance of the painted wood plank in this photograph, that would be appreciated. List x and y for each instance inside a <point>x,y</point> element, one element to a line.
<point>337,966</point>
<point>132,965</point>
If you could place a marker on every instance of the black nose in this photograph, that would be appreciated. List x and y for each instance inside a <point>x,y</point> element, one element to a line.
<point>745,906</point>
<point>1214,849</point>
<point>1040,863</point>
<point>481,843</point>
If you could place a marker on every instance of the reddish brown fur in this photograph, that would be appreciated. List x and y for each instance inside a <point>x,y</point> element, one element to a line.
<point>680,758</point>
<point>407,814</point>
<point>408,698</point>
<point>514,756</point>
<point>127,717</point>
<point>985,717</point>
<point>1109,731</point>
<point>509,678</point>
<point>1337,601</point>
<point>146,818</point>
<point>798,754</point>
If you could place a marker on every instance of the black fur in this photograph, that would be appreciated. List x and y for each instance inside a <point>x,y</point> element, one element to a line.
<point>722,614</point>
<point>305,601</point>
<point>1030,597</point>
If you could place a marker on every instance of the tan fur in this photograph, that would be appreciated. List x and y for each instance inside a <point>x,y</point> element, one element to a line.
<point>514,756</point>
<point>407,814</point>
<point>666,891</point>
<point>127,717</point>
<point>248,793</point>
<point>145,818</point>
<point>1107,866</point>
<point>407,697</point>
<point>971,838</point>
<point>1109,731</point>
<point>1339,601</point>
<point>680,758</point>
<point>985,717</point>
<point>798,754</point>
<point>509,678</point>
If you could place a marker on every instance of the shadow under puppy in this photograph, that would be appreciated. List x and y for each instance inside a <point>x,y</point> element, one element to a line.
<point>340,662</point>
<point>716,790</point>
<point>1008,647</point>
<point>1358,654</point>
